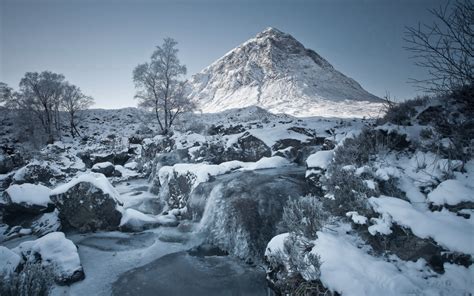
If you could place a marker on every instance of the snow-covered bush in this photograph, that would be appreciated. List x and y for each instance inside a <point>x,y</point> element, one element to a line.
<point>33,279</point>
<point>348,192</point>
<point>304,216</point>
<point>292,269</point>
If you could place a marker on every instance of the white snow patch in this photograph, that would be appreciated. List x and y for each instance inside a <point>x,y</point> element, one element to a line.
<point>56,250</point>
<point>447,229</point>
<point>451,192</point>
<point>320,159</point>
<point>29,194</point>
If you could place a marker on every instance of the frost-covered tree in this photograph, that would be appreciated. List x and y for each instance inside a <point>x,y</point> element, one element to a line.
<point>41,93</point>
<point>72,102</point>
<point>159,85</point>
<point>6,94</point>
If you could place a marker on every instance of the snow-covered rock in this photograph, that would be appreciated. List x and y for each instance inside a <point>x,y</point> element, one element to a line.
<point>446,228</point>
<point>451,192</point>
<point>56,251</point>
<point>133,220</point>
<point>240,211</point>
<point>276,72</point>
<point>26,197</point>
<point>320,159</point>
<point>9,261</point>
<point>105,168</point>
<point>43,172</point>
<point>88,203</point>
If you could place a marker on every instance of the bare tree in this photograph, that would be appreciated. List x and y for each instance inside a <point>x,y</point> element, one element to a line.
<point>42,93</point>
<point>74,101</point>
<point>445,48</point>
<point>159,86</point>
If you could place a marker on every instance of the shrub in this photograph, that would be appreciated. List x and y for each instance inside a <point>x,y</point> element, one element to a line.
<point>304,216</point>
<point>349,192</point>
<point>402,113</point>
<point>33,279</point>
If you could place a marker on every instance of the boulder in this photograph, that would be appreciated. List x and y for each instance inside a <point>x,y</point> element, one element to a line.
<point>240,212</point>
<point>25,200</point>
<point>106,168</point>
<point>38,172</point>
<point>9,261</point>
<point>56,251</point>
<point>88,203</point>
<point>9,162</point>
<point>251,148</point>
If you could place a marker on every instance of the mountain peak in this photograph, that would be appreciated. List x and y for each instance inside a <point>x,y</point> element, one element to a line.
<point>275,71</point>
<point>270,31</point>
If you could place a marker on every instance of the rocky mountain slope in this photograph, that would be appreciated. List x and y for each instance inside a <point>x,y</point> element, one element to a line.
<point>276,72</point>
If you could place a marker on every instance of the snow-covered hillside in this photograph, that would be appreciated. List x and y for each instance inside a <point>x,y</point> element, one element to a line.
<point>276,72</point>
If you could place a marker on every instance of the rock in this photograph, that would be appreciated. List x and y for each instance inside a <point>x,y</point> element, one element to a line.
<point>106,168</point>
<point>22,202</point>
<point>56,251</point>
<point>240,211</point>
<point>46,223</point>
<point>86,158</point>
<point>121,158</point>
<point>317,164</point>
<point>100,158</point>
<point>9,162</point>
<point>135,139</point>
<point>251,148</point>
<point>222,130</point>
<point>9,261</point>
<point>88,203</point>
<point>38,172</point>
<point>134,220</point>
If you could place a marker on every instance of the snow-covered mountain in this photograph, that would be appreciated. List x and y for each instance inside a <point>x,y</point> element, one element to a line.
<point>276,72</point>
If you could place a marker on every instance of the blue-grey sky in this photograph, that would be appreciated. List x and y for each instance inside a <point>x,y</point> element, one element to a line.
<point>96,44</point>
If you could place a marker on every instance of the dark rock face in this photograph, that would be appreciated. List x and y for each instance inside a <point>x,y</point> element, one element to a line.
<point>87,208</point>
<point>245,208</point>
<point>407,246</point>
<point>222,130</point>
<point>252,148</point>
<point>120,158</point>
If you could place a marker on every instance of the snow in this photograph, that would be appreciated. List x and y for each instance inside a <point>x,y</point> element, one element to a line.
<point>29,194</point>
<point>451,192</point>
<point>446,228</point>
<point>55,250</point>
<point>136,218</point>
<point>266,163</point>
<point>381,225</point>
<point>348,269</point>
<point>320,159</point>
<point>96,179</point>
<point>102,165</point>
<point>276,244</point>
<point>202,171</point>
<point>356,218</point>
<point>9,261</point>
<point>126,171</point>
